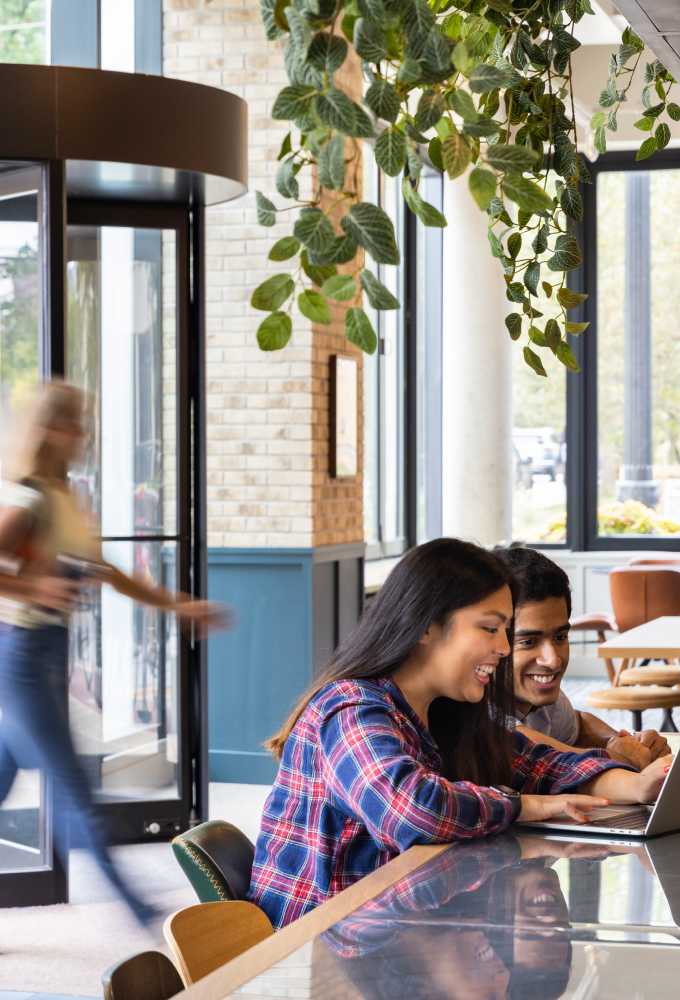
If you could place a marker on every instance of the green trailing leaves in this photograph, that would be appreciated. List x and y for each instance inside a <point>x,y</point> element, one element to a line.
<point>456,154</point>
<point>266,210</point>
<point>485,86</point>
<point>359,330</point>
<point>372,229</point>
<point>318,273</point>
<point>514,325</point>
<point>572,203</point>
<point>340,287</point>
<point>655,98</point>
<point>576,328</point>
<point>648,148</point>
<point>376,293</point>
<point>327,52</point>
<point>569,299</point>
<point>383,100</point>
<point>313,305</point>
<point>274,332</point>
<point>429,111</point>
<point>313,228</point>
<point>485,78</point>
<point>566,356</point>
<point>513,158</point>
<point>527,194</point>
<point>331,163</point>
<point>461,102</point>
<point>534,361</point>
<point>273,292</point>
<point>567,254</point>
<point>482,184</point>
<point>286,180</point>
<point>369,41</point>
<point>293,103</point>
<point>285,248</point>
<point>340,112</point>
<point>390,151</point>
<point>532,276</point>
<point>428,214</point>
<point>662,134</point>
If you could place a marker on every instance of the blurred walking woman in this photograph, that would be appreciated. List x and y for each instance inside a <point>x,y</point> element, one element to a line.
<point>41,521</point>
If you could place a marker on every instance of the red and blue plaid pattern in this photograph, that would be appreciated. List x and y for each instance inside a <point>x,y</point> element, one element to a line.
<point>360,781</point>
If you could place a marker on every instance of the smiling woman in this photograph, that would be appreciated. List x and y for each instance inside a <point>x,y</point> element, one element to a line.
<point>404,740</point>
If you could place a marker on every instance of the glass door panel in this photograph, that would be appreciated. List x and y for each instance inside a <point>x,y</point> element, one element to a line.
<point>27,872</point>
<point>126,659</point>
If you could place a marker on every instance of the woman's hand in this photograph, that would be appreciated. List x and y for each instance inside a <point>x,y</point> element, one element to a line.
<point>649,781</point>
<point>55,592</point>
<point>538,807</point>
<point>535,845</point>
<point>204,616</point>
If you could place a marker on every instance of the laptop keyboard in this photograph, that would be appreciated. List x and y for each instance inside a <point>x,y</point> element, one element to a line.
<point>637,819</point>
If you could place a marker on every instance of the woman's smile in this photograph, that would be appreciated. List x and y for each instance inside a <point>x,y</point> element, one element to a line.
<point>484,672</point>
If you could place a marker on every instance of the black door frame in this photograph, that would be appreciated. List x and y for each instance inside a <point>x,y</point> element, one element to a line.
<point>130,821</point>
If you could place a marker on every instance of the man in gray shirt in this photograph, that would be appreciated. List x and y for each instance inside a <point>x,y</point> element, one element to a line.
<point>540,659</point>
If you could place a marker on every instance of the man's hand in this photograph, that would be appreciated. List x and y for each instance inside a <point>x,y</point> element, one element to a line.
<point>626,748</point>
<point>655,742</point>
<point>638,749</point>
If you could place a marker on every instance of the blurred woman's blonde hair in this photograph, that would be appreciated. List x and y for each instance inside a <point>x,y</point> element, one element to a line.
<point>30,453</point>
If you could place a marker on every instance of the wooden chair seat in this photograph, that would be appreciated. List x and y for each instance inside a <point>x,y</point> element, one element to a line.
<point>636,698</point>
<point>596,621</point>
<point>662,675</point>
<point>150,975</point>
<point>204,936</point>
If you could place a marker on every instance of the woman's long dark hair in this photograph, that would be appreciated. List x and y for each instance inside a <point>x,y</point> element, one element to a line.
<point>430,583</point>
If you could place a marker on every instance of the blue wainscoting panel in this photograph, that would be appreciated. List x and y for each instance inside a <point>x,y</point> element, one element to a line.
<point>257,671</point>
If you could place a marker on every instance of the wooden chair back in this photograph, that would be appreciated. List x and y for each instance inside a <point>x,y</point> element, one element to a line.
<point>207,935</point>
<point>150,975</point>
<point>640,593</point>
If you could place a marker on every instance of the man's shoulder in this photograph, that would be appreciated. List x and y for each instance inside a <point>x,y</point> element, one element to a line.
<point>559,720</point>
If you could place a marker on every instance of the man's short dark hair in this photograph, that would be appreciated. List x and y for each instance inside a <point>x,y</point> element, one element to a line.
<point>536,577</point>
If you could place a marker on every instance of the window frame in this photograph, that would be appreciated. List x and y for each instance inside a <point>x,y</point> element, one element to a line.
<point>582,389</point>
<point>421,342</point>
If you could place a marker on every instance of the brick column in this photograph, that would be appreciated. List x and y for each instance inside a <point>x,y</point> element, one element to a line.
<point>285,539</point>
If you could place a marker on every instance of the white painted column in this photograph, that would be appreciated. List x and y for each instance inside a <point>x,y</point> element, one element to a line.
<point>477,380</point>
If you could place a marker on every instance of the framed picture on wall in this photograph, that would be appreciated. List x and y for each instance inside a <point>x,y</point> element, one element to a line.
<point>343,423</point>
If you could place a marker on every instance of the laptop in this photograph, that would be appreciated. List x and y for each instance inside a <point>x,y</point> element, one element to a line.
<point>628,821</point>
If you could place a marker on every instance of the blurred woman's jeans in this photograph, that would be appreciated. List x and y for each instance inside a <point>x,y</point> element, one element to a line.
<point>34,733</point>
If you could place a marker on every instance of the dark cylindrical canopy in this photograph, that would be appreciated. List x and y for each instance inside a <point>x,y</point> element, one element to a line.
<point>126,135</point>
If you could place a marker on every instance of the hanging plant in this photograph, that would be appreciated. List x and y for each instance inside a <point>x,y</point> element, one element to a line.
<point>476,88</point>
<point>655,98</point>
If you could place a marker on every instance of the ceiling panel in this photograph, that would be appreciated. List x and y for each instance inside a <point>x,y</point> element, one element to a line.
<point>658,23</point>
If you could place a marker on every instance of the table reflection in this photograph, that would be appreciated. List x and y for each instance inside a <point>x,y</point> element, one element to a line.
<point>503,918</point>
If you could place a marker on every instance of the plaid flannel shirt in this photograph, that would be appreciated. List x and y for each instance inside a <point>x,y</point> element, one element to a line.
<point>360,781</point>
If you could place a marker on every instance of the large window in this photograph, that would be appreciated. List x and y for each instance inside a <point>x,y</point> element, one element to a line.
<point>621,485</point>
<point>638,353</point>
<point>402,382</point>
<point>24,31</point>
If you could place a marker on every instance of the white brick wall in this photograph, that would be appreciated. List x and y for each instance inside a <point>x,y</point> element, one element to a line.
<point>259,405</point>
